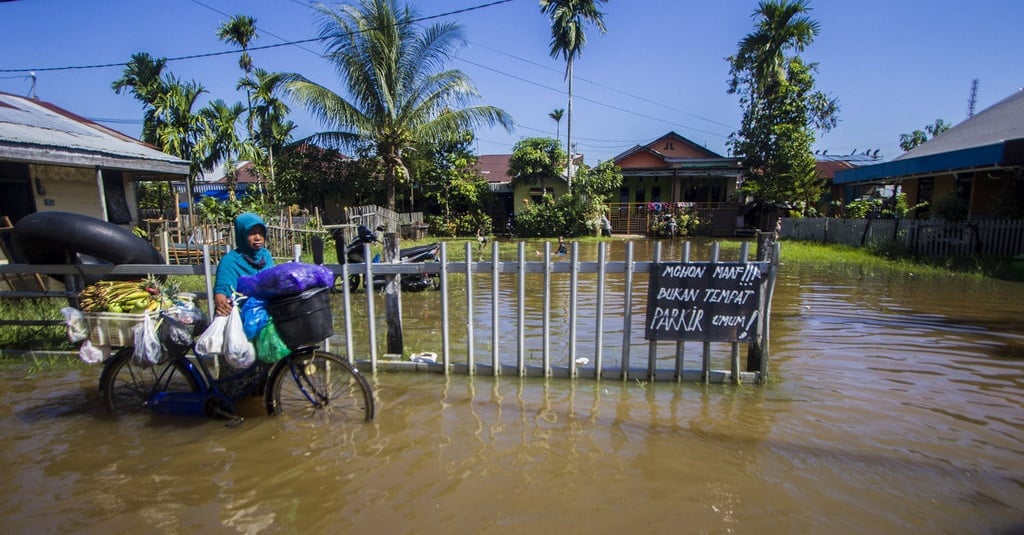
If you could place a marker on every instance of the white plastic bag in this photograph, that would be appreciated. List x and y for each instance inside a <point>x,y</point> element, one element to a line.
<point>147,345</point>
<point>211,342</point>
<point>238,350</point>
<point>93,354</point>
<point>78,328</point>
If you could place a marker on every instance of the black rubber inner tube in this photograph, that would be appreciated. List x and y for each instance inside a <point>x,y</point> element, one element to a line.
<point>68,238</point>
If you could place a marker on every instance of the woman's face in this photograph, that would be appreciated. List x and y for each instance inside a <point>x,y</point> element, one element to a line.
<point>256,238</point>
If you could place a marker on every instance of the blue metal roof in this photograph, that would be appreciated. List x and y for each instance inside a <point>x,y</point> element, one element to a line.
<point>984,156</point>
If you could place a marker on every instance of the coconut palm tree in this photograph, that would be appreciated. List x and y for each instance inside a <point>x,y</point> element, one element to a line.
<point>568,18</point>
<point>557,116</point>
<point>398,92</point>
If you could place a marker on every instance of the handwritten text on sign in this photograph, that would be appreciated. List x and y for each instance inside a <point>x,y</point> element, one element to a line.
<point>704,301</point>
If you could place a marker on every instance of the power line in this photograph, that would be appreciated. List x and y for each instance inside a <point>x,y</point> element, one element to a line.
<point>592,101</point>
<point>263,47</point>
<point>282,39</point>
<point>598,84</point>
<point>114,121</point>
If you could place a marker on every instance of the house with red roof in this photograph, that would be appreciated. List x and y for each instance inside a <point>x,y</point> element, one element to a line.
<point>671,174</point>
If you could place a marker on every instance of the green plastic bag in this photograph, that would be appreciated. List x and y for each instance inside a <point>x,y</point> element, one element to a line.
<point>269,346</point>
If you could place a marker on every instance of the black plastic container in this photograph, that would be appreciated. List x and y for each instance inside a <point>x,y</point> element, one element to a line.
<point>304,319</point>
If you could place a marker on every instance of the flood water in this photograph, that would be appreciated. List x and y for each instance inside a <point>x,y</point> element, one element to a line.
<point>896,405</point>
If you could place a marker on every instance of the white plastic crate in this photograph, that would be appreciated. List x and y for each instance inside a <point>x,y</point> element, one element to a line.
<point>114,328</point>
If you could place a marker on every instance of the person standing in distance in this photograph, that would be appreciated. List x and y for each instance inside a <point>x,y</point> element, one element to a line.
<point>249,257</point>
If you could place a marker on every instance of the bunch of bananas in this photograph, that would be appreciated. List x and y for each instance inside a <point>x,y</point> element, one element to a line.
<point>133,297</point>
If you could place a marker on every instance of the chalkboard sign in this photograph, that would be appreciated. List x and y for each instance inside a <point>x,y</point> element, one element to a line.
<point>703,301</point>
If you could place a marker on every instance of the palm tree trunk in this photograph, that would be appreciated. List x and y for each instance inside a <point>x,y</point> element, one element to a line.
<point>270,152</point>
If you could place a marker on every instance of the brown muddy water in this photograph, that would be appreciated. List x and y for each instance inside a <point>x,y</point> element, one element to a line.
<point>896,405</point>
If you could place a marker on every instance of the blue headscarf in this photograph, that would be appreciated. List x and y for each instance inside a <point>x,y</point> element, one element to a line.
<point>243,260</point>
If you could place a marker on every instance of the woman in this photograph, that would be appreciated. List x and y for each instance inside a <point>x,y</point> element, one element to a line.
<point>249,258</point>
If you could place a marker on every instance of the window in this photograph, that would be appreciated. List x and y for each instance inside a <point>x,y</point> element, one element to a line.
<point>537,194</point>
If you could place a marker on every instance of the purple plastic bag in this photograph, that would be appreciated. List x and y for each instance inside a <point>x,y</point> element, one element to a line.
<point>285,279</point>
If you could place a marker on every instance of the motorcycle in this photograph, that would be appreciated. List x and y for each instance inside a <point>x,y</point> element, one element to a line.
<point>353,252</point>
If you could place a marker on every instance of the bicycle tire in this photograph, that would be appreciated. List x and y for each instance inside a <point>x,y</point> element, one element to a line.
<point>125,386</point>
<point>315,384</point>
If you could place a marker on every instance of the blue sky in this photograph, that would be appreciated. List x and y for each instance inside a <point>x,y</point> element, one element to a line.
<point>895,66</point>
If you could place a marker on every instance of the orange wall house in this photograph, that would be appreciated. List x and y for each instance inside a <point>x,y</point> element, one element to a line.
<point>674,169</point>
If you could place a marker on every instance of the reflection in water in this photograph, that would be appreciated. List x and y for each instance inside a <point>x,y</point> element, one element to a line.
<point>894,407</point>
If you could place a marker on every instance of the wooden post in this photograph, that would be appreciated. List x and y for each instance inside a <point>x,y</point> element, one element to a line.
<point>392,297</point>
<point>765,253</point>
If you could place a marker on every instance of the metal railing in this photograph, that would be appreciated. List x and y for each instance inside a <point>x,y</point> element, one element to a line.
<point>469,277</point>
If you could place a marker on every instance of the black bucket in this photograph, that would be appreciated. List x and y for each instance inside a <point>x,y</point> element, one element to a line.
<point>304,319</point>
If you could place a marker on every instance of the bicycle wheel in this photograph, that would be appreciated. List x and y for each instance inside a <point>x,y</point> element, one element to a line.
<point>125,386</point>
<point>320,385</point>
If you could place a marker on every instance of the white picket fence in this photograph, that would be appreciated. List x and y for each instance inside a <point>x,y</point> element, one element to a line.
<point>930,238</point>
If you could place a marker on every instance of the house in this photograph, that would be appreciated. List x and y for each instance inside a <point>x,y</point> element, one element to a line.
<point>672,173</point>
<point>52,159</point>
<point>512,198</point>
<point>494,169</point>
<point>214,182</point>
<point>972,170</point>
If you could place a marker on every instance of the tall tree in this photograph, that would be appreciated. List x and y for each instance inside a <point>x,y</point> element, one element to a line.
<point>781,108</point>
<point>241,30</point>
<point>398,93</point>
<point>268,114</point>
<point>180,127</point>
<point>220,141</point>
<point>568,18</point>
<point>556,115</point>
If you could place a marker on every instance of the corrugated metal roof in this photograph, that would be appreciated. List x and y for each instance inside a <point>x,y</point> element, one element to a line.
<point>977,143</point>
<point>494,167</point>
<point>972,158</point>
<point>999,122</point>
<point>39,132</point>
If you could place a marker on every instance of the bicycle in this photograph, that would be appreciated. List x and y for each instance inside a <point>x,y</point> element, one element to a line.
<point>308,383</point>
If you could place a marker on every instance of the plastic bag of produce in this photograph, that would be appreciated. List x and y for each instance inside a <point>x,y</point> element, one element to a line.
<point>211,342</point>
<point>147,345</point>
<point>93,354</point>
<point>176,330</point>
<point>269,346</point>
<point>78,327</point>
<point>285,279</point>
<point>254,317</point>
<point>238,351</point>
